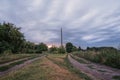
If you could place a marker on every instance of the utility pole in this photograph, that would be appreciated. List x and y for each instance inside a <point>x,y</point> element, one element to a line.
<point>62,50</point>
<point>61,38</point>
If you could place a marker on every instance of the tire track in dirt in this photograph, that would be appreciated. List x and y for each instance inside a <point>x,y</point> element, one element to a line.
<point>16,67</point>
<point>60,73</point>
<point>94,71</point>
<point>13,61</point>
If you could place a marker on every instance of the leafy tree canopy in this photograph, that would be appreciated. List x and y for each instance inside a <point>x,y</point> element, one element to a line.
<point>69,47</point>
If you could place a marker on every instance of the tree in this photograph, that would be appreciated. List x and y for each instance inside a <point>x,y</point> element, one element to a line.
<point>4,46</point>
<point>118,47</point>
<point>41,47</point>
<point>69,47</point>
<point>29,47</point>
<point>79,48</point>
<point>10,38</point>
<point>53,49</point>
<point>74,48</point>
<point>61,50</point>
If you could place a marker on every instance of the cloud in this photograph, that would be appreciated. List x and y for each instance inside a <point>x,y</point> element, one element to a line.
<point>88,37</point>
<point>85,23</point>
<point>41,36</point>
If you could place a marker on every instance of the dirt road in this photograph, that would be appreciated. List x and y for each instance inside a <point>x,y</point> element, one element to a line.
<point>96,71</point>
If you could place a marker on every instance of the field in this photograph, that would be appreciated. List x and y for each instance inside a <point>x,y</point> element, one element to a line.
<point>11,57</point>
<point>54,67</point>
<point>51,67</point>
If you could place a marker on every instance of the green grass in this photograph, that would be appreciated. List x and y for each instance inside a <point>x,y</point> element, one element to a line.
<point>43,69</point>
<point>79,60</point>
<point>56,62</point>
<point>12,57</point>
<point>6,67</point>
<point>107,57</point>
<point>116,77</point>
<point>34,71</point>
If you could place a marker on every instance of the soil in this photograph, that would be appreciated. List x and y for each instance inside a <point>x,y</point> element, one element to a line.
<point>59,73</point>
<point>96,71</point>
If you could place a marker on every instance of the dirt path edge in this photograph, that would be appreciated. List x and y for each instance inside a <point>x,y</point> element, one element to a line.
<point>19,66</point>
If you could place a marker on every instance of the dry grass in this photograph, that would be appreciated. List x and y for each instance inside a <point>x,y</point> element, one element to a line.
<point>12,57</point>
<point>38,70</point>
<point>59,73</point>
<point>43,69</point>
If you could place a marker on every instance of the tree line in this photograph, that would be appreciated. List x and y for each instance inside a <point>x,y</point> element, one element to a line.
<point>13,41</point>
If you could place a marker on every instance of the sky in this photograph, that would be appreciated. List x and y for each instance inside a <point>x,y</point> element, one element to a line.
<point>84,22</point>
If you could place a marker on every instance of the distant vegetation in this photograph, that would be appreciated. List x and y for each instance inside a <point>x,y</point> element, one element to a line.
<point>104,55</point>
<point>69,47</point>
<point>13,41</point>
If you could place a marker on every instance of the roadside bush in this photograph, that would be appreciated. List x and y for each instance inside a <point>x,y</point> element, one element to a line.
<point>107,57</point>
<point>7,52</point>
<point>61,50</point>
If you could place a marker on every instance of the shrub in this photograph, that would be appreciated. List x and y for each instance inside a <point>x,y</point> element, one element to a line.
<point>61,50</point>
<point>7,52</point>
<point>105,56</point>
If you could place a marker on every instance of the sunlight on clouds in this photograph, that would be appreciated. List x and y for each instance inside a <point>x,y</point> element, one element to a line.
<point>88,37</point>
<point>89,15</point>
<point>97,40</point>
<point>93,38</point>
